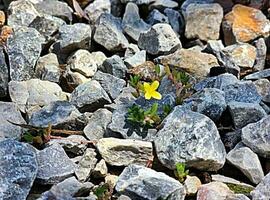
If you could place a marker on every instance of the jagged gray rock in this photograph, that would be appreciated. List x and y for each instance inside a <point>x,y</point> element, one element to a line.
<point>4,77</point>
<point>96,8</point>
<point>115,66</point>
<point>262,191</point>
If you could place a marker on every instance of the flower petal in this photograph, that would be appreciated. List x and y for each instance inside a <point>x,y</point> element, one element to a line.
<point>154,85</point>
<point>146,86</point>
<point>147,95</point>
<point>156,95</point>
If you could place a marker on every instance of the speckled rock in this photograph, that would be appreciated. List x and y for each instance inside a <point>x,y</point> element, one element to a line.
<point>258,75</point>
<point>96,8</point>
<point>131,50</point>
<point>4,77</point>
<point>197,145</point>
<point>192,184</point>
<point>261,50</point>
<point>155,17</point>
<point>162,4</point>
<point>263,88</point>
<point>203,21</point>
<point>123,152</point>
<point>135,60</point>
<point>100,170</point>
<point>115,66</point>
<point>237,197</point>
<point>138,182</point>
<point>18,169</point>
<point>213,191</point>
<point>262,191</point>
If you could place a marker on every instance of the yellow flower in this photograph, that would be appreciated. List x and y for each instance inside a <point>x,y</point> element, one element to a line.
<point>150,90</point>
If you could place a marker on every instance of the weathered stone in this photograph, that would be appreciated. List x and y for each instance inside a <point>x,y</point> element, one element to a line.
<point>258,75</point>
<point>96,8</point>
<point>237,197</point>
<point>89,96</point>
<point>175,19</point>
<point>162,4</point>
<point>115,66</point>
<point>132,23</point>
<point>195,141</point>
<point>244,24</point>
<point>261,50</point>
<point>109,33</point>
<point>192,184</point>
<point>138,2</point>
<point>4,77</point>
<point>123,152</point>
<point>111,179</point>
<point>146,70</point>
<point>18,169</point>
<point>86,165</point>
<point>262,191</point>
<point>131,50</point>
<point>54,165</point>
<point>47,68</point>
<point>203,21</point>
<point>135,60</point>
<point>231,139</point>
<point>34,93</point>
<point>213,191</point>
<point>96,127</point>
<point>100,170</point>
<point>21,13</point>
<point>156,17</point>
<point>263,88</point>
<point>160,39</point>
<point>111,84</point>
<point>138,182</point>
<point>23,49</point>
<point>70,80</point>
<point>188,2</point>
<point>247,162</point>
<point>256,137</point>
<point>196,63</point>
<point>209,101</point>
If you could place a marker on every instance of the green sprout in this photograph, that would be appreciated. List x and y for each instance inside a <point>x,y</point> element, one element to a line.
<point>181,172</point>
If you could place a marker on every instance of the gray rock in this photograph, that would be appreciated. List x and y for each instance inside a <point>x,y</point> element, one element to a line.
<point>160,39</point>
<point>261,50</point>
<point>191,138</point>
<point>55,8</point>
<point>54,165</point>
<point>203,21</point>
<point>115,66</point>
<point>109,33</point>
<point>34,93</point>
<point>247,162</point>
<point>245,113</point>
<point>262,191</point>
<point>58,196</point>
<point>21,13</point>
<point>86,165</point>
<point>4,77</point>
<point>214,191</point>
<point>96,8</point>
<point>231,139</point>
<point>162,4</point>
<point>47,26</point>
<point>138,182</point>
<point>10,112</point>
<point>73,37</point>
<point>18,169</point>
<point>96,127</point>
<point>263,88</point>
<point>132,23</point>
<point>188,2</point>
<point>176,20</point>
<point>123,152</point>
<point>258,75</point>
<point>111,84</point>
<point>256,137</point>
<point>138,2</point>
<point>209,101</point>
<point>89,96</point>
<point>100,170</point>
<point>131,50</point>
<point>47,68</point>
<point>156,17</point>
<point>137,59</point>
<point>237,197</point>
<point>23,49</point>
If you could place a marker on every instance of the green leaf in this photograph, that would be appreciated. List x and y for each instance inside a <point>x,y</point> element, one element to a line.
<point>101,190</point>
<point>181,171</point>
<point>157,69</point>
<point>28,137</point>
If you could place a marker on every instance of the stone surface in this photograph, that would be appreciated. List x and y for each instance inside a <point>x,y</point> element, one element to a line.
<point>190,138</point>
<point>162,4</point>
<point>263,88</point>
<point>261,50</point>
<point>160,39</point>
<point>23,49</point>
<point>115,66</point>
<point>54,165</point>
<point>131,50</point>
<point>209,101</point>
<point>138,182</point>
<point>244,24</point>
<point>258,75</point>
<point>213,191</point>
<point>175,19</point>
<point>192,184</point>
<point>96,8</point>
<point>89,96</point>
<point>203,21</point>
<point>237,197</point>
<point>262,191</point>
<point>156,17</point>
<point>18,169</point>
<point>101,169</point>
<point>122,152</point>
<point>135,60</point>
<point>4,77</point>
<point>96,127</point>
<point>109,33</point>
<point>256,137</point>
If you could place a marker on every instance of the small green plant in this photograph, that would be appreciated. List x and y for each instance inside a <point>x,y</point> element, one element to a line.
<point>181,172</point>
<point>166,110</point>
<point>103,192</point>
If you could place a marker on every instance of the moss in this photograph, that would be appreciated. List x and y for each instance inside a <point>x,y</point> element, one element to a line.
<point>239,189</point>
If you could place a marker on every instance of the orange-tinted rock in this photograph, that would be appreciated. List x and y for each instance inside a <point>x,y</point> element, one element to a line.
<point>2,18</point>
<point>6,31</point>
<point>244,24</point>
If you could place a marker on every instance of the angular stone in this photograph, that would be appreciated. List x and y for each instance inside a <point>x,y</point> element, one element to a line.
<point>213,191</point>
<point>199,66</point>
<point>23,49</point>
<point>96,8</point>
<point>203,21</point>
<point>191,138</point>
<point>70,80</point>
<point>54,165</point>
<point>160,39</point>
<point>135,60</point>
<point>162,4</point>
<point>109,33</point>
<point>18,169</point>
<point>123,152</point>
<point>256,137</point>
<point>101,169</point>
<point>262,191</point>
<point>145,70</point>
<point>132,23</point>
<point>263,88</point>
<point>245,113</point>
<point>247,162</point>
<point>186,3</point>
<point>244,24</point>
<point>258,75</point>
<point>192,184</point>
<point>237,197</point>
<point>175,19</point>
<point>96,127</point>
<point>86,165</point>
<point>231,139</point>
<point>131,50</point>
<point>261,50</point>
<point>4,77</point>
<point>111,84</point>
<point>115,66</point>
<point>138,182</point>
<point>209,101</point>
<point>89,96</point>
<point>156,17</point>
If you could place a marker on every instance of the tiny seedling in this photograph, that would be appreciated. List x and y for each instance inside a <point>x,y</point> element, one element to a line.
<point>181,172</point>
